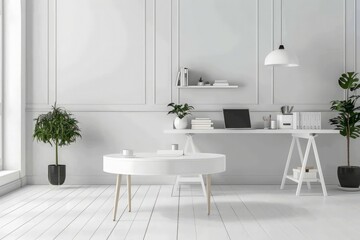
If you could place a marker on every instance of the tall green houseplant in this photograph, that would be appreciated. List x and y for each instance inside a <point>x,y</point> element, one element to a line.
<point>348,119</point>
<point>57,128</point>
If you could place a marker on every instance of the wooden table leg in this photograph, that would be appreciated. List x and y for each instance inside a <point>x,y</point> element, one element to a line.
<point>208,191</point>
<point>117,193</point>
<point>129,192</point>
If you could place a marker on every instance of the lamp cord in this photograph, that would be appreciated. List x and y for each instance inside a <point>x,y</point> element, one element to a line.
<point>281,13</point>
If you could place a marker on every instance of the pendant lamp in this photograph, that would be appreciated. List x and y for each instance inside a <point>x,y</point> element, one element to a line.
<point>281,57</point>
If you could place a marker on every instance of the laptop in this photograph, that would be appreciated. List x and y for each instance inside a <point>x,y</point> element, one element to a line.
<point>237,118</point>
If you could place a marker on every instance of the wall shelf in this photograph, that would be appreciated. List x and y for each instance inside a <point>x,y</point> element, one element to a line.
<point>207,87</point>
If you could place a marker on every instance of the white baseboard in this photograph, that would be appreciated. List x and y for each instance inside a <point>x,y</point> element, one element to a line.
<point>108,179</point>
<point>217,179</point>
<point>11,186</point>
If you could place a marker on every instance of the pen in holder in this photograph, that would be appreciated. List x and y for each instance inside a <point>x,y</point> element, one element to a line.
<point>267,121</point>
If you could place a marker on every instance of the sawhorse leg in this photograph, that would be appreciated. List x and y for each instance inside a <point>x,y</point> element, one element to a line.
<point>189,147</point>
<point>304,159</point>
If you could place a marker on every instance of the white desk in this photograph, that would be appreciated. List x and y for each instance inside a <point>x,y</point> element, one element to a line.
<point>158,164</point>
<point>308,134</point>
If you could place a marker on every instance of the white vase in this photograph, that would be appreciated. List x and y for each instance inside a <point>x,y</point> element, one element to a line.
<point>180,123</point>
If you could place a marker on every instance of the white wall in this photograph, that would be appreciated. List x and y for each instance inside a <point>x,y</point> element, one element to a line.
<point>113,63</point>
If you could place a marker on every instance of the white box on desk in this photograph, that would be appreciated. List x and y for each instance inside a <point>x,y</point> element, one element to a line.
<point>285,121</point>
<point>311,174</point>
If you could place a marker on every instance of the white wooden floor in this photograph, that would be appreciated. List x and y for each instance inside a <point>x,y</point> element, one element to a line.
<point>238,212</point>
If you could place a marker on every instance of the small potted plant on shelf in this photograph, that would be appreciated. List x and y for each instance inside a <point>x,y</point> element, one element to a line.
<point>57,128</point>
<point>181,112</point>
<point>348,123</point>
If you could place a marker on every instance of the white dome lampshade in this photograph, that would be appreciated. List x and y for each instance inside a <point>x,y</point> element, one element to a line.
<point>281,57</point>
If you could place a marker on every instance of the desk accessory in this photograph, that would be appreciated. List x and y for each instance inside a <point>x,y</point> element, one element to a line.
<point>181,112</point>
<point>237,118</point>
<point>183,77</point>
<point>306,120</point>
<point>310,173</point>
<point>267,121</point>
<point>285,121</point>
<point>128,152</point>
<point>286,110</point>
<point>200,82</point>
<point>273,124</point>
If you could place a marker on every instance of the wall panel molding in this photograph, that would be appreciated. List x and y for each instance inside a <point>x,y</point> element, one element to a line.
<point>181,93</point>
<point>132,41</point>
<point>162,23</point>
<point>287,91</point>
<point>37,48</point>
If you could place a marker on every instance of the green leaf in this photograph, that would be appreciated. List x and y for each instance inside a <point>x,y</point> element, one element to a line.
<point>180,110</point>
<point>56,127</point>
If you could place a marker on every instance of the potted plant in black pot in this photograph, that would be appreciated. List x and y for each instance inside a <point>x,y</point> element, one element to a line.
<point>348,122</point>
<point>58,128</point>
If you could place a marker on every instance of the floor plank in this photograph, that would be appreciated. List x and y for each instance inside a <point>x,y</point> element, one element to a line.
<point>186,225</point>
<point>224,204</point>
<point>37,214</point>
<point>208,226</point>
<point>98,217</point>
<point>32,205</point>
<point>237,212</point>
<point>262,209</point>
<point>244,215</point>
<point>71,231</point>
<point>143,216</point>
<point>56,216</point>
<point>163,224</point>
<point>107,226</point>
<point>126,219</point>
<point>71,216</point>
<point>20,200</point>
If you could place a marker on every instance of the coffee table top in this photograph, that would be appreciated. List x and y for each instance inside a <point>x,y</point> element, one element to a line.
<point>161,164</point>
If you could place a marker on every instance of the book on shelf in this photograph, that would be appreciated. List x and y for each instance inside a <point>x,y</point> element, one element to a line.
<point>200,121</point>
<point>201,125</point>
<point>201,128</point>
<point>221,83</point>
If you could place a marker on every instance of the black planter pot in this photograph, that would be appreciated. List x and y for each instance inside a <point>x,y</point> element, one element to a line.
<point>56,174</point>
<point>349,177</point>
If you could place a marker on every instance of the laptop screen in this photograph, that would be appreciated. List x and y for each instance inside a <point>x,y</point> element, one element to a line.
<point>237,118</point>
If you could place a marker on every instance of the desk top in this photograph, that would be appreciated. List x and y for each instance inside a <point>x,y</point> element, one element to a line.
<point>252,131</point>
<point>157,164</point>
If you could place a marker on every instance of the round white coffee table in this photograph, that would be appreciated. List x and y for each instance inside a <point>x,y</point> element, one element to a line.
<point>160,164</point>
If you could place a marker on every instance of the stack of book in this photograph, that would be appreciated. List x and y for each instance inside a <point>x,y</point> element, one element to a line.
<point>307,120</point>
<point>202,123</point>
<point>219,83</point>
